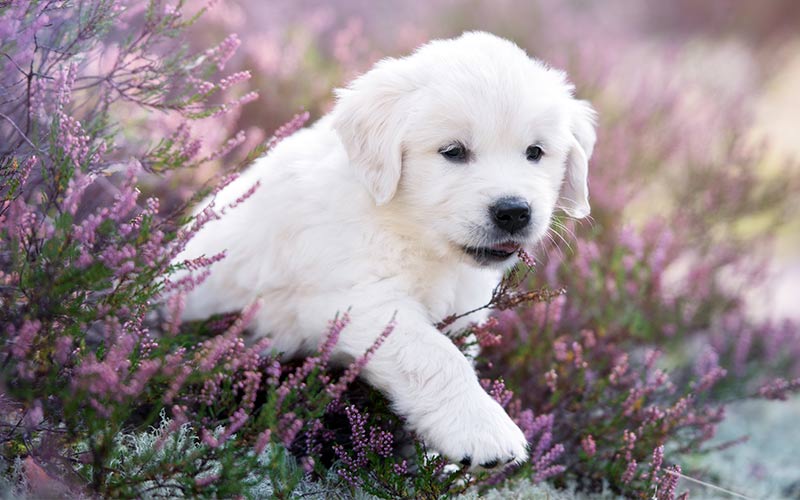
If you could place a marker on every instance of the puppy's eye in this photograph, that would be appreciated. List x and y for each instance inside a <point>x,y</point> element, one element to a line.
<point>455,152</point>
<point>534,153</point>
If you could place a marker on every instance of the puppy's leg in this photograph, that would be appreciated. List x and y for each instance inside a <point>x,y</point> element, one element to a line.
<point>434,387</point>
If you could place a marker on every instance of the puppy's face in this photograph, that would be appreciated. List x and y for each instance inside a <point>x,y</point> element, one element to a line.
<point>470,144</point>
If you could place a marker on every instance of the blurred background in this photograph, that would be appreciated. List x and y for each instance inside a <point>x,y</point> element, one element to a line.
<point>698,105</point>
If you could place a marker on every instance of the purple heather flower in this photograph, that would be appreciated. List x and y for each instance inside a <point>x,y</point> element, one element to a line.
<point>497,389</point>
<point>551,378</point>
<point>206,480</point>
<point>401,468</point>
<point>288,128</point>
<point>355,368</point>
<point>23,340</point>
<point>630,472</point>
<point>779,388</point>
<point>658,460</point>
<point>231,80</point>
<point>262,441</point>
<point>381,442</point>
<point>335,328</point>
<point>224,51</point>
<point>669,482</point>
<point>588,445</point>
<point>229,146</point>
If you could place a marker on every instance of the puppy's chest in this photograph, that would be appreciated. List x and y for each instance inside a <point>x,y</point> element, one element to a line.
<point>456,292</point>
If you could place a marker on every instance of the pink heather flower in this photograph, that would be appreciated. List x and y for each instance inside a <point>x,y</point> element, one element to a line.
<point>229,146</point>
<point>288,128</point>
<point>550,471</point>
<point>551,377</point>
<point>208,439</point>
<point>144,372</point>
<point>543,454</point>
<point>381,442</point>
<point>199,85</point>
<point>202,261</point>
<point>578,361</point>
<point>175,306</point>
<point>588,445</point>
<point>669,483</point>
<point>307,463</point>
<point>485,332</point>
<point>620,368</point>
<point>629,438</point>
<point>247,194</point>
<point>358,437</point>
<point>204,481</point>
<point>224,51</point>
<point>237,420</point>
<point>560,350</point>
<point>77,186</point>
<point>225,108</point>
<point>355,368</point>
<point>497,389</point>
<point>335,327</point>
<point>177,381</point>
<point>23,172</point>
<point>589,339</point>
<point>658,459</point>
<point>630,471</point>
<point>779,389</point>
<point>708,369</point>
<point>64,85</point>
<point>23,341</point>
<point>544,466</point>
<point>526,258</point>
<point>651,356</point>
<point>290,428</point>
<point>63,349</point>
<point>400,468</point>
<point>262,441</point>
<point>238,77</point>
<point>100,408</point>
<point>187,147</point>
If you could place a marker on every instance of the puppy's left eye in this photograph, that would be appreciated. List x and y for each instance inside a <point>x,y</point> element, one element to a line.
<point>455,152</point>
<point>534,153</point>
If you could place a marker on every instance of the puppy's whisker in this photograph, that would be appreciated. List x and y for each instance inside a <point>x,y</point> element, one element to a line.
<point>557,248</point>
<point>566,228</point>
<point>561,237</point>
<point>547,247</point>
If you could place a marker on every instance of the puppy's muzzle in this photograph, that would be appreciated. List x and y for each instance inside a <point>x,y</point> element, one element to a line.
<point>511,214</point>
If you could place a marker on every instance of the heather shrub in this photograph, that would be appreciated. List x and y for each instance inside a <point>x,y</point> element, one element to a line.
<point>84,260</point>
<point>615,346</point>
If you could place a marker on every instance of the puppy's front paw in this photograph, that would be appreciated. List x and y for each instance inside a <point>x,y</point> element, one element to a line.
<point>476,432</point>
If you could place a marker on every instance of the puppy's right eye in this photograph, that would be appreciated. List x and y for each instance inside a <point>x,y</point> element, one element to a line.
<point>455,152</point>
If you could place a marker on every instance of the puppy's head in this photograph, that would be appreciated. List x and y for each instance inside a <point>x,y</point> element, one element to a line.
<point>470,144</point>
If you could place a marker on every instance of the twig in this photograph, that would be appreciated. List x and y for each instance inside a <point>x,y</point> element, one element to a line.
<point>709,485</point>
<point>19,131</point>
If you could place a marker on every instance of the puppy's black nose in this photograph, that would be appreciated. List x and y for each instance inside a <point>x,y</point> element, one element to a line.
<point>511,214</point>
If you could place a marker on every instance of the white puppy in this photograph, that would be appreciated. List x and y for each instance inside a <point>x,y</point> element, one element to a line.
<point>409,199</point>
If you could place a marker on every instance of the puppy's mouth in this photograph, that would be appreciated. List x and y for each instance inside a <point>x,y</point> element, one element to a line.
<point>493,253</point>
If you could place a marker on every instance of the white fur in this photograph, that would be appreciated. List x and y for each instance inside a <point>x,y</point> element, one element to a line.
<point>361,212</point>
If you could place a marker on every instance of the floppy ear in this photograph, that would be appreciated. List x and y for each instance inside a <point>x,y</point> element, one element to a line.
<point>370,118</point>
<point>575,190</point>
